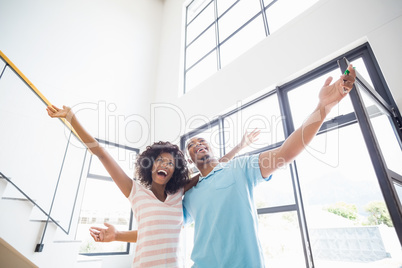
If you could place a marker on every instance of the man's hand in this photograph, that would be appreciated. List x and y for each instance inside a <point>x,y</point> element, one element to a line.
<point>249,138</point>
<point>331,94</point>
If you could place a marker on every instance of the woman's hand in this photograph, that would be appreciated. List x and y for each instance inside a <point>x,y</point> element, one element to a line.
<point>103,234</point>
<point>53,111</point>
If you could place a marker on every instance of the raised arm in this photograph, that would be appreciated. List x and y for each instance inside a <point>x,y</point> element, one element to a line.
<point>110,234</point>
<point>248,138</point>
<point>116,172</point>
<point>329,96</point>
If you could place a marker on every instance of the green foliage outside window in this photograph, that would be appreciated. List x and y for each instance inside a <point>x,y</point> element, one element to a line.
<point>378,214</point>
<point>348,211</point>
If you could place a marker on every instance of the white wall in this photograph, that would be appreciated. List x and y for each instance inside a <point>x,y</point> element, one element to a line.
<point>328,29</point>
<point>78,52</point>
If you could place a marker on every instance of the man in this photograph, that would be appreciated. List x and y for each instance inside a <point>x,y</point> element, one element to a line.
<point>222,203</point>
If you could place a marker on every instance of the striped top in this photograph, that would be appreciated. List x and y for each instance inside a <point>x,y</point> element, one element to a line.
<point>159,225</point>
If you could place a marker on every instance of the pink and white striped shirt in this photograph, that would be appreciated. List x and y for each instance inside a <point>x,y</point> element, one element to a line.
<point>159,226</point>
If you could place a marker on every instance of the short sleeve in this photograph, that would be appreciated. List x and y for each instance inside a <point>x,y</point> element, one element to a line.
<point>187,217</point>
<point>250,167</point>
<point>134,190</point>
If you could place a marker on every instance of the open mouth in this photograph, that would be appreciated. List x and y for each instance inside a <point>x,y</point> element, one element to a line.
<point>202,149</point>
<point>162,172</point>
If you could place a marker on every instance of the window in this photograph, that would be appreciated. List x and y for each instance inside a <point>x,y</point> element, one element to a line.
<point>104,202</point>
<point>322,209</point>
<point>218,31</point>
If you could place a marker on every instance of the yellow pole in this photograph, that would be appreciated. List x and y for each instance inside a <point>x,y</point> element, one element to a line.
<point>37,92</point>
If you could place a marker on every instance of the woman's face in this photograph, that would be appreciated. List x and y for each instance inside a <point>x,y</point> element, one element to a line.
<point>163,168</point>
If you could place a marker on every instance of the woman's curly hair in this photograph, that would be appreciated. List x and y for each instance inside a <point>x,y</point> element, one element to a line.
<point>146,159</point>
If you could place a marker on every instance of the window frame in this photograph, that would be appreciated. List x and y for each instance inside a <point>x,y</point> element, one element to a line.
<point>109,179</point>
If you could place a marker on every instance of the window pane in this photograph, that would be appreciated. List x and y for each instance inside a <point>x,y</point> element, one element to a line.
<point>223,5</point>
<point>196,7</point>
<point>103,202</point>
<point>280,239</point>
<point>263,115</point>
<point>276,192</point>
<point>385,134</point>
<point>200,47</point>
<point>267,2</point>
<point>199,24</point>
<point>303,99</point>
<point>124,157</point>
<point>246,38</point>
<point>238,16</point>
<point>398,189</point>
<point>342,201</point>
<point>201,71</point>
<point>188,242</point>
<point>283,11</point>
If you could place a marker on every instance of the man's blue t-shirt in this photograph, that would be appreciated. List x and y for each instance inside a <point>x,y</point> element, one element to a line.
<point>222,207</point>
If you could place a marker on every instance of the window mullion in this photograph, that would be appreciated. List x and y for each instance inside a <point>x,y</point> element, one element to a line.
<point>218,54</point>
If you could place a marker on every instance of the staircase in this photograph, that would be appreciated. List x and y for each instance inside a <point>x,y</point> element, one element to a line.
<point>20,232</point>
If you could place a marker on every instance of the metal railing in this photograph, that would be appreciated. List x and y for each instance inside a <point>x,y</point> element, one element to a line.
<point>46,184</point>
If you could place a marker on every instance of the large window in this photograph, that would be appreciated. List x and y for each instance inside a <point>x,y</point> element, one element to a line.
<point>331,207</point>
<point>104,202</point>
<point>218,31</point>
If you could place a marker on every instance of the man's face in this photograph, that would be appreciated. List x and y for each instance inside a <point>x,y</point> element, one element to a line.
<point>198,149</point>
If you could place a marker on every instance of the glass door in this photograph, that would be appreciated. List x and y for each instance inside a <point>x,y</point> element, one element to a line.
<point>349,178</point>
<point>382,134</point>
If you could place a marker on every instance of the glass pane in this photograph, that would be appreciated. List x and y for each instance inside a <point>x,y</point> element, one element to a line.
<point>33,144</point>
<point>280,239</point>
<point>70,180</point>
<point>238,16</point>
<point>188,242</point>
<point>200,23</point>
<point>124,157</point>
<point>196,7</point>
<point>103,202</point>
<point>276,192</point>
<point>200,47</point>
<point>263,115</point>
<point>201,71</point>
<point>223,5</point>
<point>398,189</point>
<point>304,98</point>
<point>341,202</point>
<point>385,133</point>
<point>283,11</point>
<point>242,41</point>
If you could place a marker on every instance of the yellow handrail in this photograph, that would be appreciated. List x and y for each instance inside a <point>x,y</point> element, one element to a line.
<point>37,92</point>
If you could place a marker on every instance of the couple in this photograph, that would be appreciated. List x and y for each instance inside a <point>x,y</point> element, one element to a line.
<point>220,201</point>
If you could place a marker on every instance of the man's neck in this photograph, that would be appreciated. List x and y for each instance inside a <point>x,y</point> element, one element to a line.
<point>205,167</point>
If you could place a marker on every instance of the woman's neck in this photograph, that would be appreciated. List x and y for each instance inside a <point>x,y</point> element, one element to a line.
<point>159,191</point>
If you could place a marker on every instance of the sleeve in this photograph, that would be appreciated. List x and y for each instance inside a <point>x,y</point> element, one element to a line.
<point>133,190</point>
<point>251,169</point>
<point>187,217</point>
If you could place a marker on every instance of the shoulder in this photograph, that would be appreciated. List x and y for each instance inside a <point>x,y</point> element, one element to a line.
<point>245,161</point>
